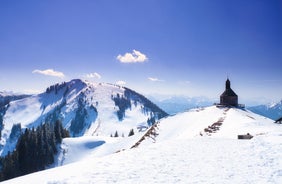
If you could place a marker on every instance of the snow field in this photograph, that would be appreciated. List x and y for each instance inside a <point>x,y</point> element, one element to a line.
<point>197,160</point>
<point>179,153</point>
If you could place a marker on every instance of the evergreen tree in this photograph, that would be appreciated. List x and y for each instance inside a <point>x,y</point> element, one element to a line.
<point>34,151</point>
<point>116,134</point>
<point>131,133</point>
<point>58,131</point>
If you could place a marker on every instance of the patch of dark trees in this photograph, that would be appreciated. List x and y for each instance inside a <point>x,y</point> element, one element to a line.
<point>4,105</point>
<point>279,121</point>
<point>56,113</point>
<point>55,88</point>
<point>34,151</point>
<point>131,133</point>
<point>4,100</point>
<point>59,86</point>
<point>3,110</point>
<point>79,124</point>
<point>123,102</point>
<point>133,95</point>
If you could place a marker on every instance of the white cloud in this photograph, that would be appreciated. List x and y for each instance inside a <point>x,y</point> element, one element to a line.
<point>121,83</point>
<point>134,57</point>
<point>93,75</point>
<point>49,72</point>
<point>155,79</point>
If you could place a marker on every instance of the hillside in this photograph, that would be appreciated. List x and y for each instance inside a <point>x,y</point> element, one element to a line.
<point>273,111</point>
<point>84,108</point>
<point>179,149</point>
<point>7,97</point>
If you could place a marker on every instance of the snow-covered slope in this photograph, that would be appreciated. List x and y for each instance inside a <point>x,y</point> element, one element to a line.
<point>84,108</point>
<point>6,97</point>
<point>198,146</point>
<point>213,121</point>
<point>273,111</point>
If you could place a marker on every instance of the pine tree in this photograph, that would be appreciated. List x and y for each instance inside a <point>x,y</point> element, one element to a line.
<point>58,131</point>
<point>35,150</point>
<point>22,150</point>
<point>131,133</point>
<point>116,134</point>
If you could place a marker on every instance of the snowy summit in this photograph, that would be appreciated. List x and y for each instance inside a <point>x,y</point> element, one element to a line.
<point>84,108</point>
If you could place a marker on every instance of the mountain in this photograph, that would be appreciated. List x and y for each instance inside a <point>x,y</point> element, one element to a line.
<point>176,104</point>
<point>84,108</point>
<point>273,111</point>
<point>6,97</point>
<point>196,146</point>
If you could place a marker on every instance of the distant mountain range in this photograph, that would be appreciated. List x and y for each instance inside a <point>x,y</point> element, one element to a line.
<point>272,111</point>
<point>176,104</point>
<point>7,97</point>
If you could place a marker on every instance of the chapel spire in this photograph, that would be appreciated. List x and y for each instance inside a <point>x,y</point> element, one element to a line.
<point>227,84</point>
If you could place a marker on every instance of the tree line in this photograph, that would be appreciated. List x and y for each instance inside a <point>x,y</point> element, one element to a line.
<point>34,151</point>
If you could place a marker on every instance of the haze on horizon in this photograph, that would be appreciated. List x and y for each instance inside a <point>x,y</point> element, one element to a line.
<point>154,47</point>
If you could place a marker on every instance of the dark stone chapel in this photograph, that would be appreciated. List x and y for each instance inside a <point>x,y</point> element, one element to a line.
<point>228,97</point>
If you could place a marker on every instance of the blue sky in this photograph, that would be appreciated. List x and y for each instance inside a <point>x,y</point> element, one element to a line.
<point>152,46</point>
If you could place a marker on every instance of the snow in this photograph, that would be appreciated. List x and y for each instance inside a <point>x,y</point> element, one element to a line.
<point>234,121</point>
<point>85,147</point>
<point>75,149</point>
<point>33,110</point>
<point>271,110</point>
<point>18,113</point>
<point>182,152</point>
<point>199,160</point>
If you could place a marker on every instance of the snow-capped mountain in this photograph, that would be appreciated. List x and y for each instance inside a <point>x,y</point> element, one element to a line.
<point>84,108</point>
<point>273,111</point>
<point>6,97</point>
<point>197,146</point>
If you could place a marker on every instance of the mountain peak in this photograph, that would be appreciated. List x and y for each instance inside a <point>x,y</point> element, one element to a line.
<point>275,104</point>
<point>84,108</point>
<point>273,111</point>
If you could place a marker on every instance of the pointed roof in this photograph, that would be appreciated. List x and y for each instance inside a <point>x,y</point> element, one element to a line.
<point>228,91</point>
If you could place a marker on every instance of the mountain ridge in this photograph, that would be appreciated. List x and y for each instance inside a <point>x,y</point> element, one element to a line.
<point>271,110</point>
<point>84,108</point>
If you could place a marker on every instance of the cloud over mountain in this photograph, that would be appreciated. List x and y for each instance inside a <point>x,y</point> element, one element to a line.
<point>134,57</point>
<point>93,75</point>
<point>49,72</point>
